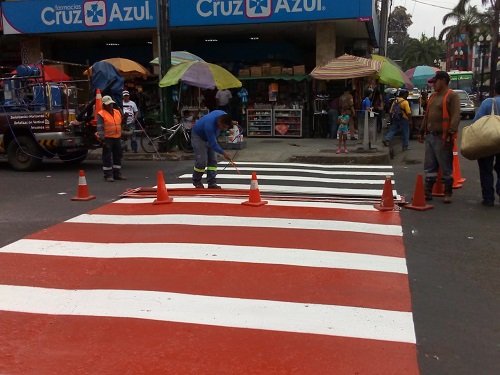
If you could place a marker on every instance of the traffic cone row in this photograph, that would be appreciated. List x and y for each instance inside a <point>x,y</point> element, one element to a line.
<point>418,201</point>
<point>83,189</point>
<point>387,201</point>
<point>438,188</point>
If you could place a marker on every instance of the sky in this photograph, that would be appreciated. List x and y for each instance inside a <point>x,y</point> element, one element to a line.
<point>428,14</point>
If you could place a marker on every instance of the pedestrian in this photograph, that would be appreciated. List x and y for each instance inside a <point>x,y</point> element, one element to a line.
<point>490,163</point>
<point>132,112</point>
<point>378,108</point>
<point>343,129</point>
<point>440,127</point>
<point>223,100</point>
<point>109,129</point>
<point>400,113</point>
<point>333,114</point>
<point>204,141</point>
<point>346,103</point>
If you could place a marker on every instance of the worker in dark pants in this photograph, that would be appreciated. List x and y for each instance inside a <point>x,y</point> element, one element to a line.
<point>109,129</point>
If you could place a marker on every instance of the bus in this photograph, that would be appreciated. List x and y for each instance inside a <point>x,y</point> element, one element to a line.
<point>462,80</point>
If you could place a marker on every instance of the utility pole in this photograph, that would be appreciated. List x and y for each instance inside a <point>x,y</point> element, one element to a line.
<point>384,26</point>
<point>164,46</point>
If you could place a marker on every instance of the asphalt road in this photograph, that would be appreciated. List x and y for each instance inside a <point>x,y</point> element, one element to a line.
<point>452,251</point>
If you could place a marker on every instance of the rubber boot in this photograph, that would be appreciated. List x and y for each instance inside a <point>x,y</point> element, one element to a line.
<point>197,179</point>
<point>448,192</point>
<point>428,190</point>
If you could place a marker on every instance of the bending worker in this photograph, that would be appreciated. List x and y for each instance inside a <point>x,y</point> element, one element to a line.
<point>204,141</point>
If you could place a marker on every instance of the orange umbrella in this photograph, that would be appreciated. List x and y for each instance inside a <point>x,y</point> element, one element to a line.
<point>129,69</point>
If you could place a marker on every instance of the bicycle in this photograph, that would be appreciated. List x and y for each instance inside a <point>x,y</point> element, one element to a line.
<point>151,141</point>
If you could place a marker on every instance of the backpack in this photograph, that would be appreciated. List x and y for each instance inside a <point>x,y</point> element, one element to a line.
<point>397,111</point>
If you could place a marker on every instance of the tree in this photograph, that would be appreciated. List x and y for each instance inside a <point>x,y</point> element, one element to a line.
<point>467,21</point>
<point>495,24</point>
<point>421,51</point>
<point>398,37</point>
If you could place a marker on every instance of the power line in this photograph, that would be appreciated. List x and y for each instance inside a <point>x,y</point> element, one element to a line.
<point>432,5</point>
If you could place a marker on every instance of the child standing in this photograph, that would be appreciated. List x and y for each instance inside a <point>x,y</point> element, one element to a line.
<point>343,121</point>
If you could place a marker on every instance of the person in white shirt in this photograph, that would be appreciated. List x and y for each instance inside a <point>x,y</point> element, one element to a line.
<point>130,109</point>
<point>223,99</point>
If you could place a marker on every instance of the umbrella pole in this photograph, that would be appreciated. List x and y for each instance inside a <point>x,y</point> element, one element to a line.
<point>180,95</point>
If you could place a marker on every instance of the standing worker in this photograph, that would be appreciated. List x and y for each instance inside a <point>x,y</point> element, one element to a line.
<point>109,129</point>
<point>130,109</point>
<point>204,141</point>
<point>440,127</point>
<point>490,163</point>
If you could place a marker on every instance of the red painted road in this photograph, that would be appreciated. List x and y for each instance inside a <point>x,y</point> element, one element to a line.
<point>38,340</point>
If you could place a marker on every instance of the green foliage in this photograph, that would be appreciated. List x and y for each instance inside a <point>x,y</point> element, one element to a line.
<point>399,21</point>
<point>421,51</point>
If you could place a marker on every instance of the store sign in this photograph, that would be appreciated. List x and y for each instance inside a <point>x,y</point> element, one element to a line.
<point>19,17</point>
<point>217,12</point>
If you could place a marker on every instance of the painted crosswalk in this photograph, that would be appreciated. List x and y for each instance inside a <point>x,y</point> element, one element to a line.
<point>206,285</point>
<point>354,181</point>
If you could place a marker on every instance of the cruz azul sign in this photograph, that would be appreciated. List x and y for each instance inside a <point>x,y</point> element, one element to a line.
<point>218,12</point>
<point>72,16</point>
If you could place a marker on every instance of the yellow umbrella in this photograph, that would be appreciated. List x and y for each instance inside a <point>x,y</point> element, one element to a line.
<point>129,69</point>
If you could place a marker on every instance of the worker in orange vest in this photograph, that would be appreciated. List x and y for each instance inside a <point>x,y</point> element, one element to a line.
<point>109,129</point>
<point>440,127</point>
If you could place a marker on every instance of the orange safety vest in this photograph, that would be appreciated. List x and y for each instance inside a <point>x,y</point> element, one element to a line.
<point>446,115</point>
<point>112,123</point>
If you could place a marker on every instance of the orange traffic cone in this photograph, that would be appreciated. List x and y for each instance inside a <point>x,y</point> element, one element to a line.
<point>254,196</point>
<point>161,191</point>
<point>438,188</point>
<point>97,106</point>
<point>83,189</point>
<point>418,201</point>
<point>387,201</point>
<point>458,181</point>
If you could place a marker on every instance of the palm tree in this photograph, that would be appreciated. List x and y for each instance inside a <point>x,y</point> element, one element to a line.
<point>466,23</point>
<point>495,24</point>
<point>421,51</point>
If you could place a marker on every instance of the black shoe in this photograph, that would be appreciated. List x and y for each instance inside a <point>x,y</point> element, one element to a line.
<point>109,179</point>
<point>214,186</point>
<point>488,203</point>
<point>198,185</point>
<point>406,148</point>
<point>386,143</point>
<point>120,178</point>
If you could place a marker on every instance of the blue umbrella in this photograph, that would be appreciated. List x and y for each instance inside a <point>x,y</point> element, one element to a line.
<point>420,74</point>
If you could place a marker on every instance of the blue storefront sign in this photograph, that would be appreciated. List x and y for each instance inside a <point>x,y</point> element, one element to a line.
<point>221,12</point>
<point>43,16</point>
<point>57,16</point>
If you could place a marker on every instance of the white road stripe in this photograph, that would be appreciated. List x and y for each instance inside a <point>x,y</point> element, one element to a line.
<point>210,252</point>
<point>277,203</point>
<point>314,171</point>
<point>321,166</point>
<point>300,190</point>
<point>296,178</point>
<point>332,320</point>
<point>239,221</point>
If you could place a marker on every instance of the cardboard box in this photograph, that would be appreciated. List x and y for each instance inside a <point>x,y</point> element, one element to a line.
<point>266,70</point>
<point>276,70</point>
<point>244,73</point>
<point>299,69</point>
<point>287,71</point>
<point>256,71</point>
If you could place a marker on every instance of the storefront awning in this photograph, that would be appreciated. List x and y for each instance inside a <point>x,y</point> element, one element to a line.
<point>300,77</point>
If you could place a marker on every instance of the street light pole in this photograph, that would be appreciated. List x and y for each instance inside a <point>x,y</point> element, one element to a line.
<point>483,44</point>
<point>163,31</point>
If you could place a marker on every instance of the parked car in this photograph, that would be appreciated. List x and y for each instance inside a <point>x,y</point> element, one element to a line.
<point>467,108</point>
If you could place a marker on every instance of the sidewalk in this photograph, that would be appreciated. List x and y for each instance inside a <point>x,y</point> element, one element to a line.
<point>303,150</point>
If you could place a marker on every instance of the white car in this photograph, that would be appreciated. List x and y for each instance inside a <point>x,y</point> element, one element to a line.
<point>467,108</point>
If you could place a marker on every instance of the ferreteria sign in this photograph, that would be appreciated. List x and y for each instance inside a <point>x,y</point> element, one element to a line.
<point>38,17</point>
<point>217,12</point>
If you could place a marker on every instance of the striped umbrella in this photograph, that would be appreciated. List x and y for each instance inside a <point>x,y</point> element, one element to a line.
<point>178,57</point>
<point>347,66</point>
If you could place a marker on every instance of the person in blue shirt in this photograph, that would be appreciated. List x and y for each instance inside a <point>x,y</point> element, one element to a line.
<point>490,163</point>
<point>204,141</point>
